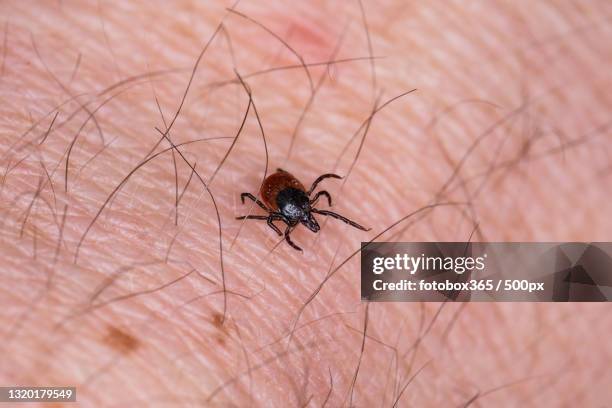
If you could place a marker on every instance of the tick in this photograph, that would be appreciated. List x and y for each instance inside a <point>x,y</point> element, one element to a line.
<point>285,199</point>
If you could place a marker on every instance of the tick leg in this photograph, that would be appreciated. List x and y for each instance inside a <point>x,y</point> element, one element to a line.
<point>321,178</point>
<point>271,225</point>
<point>319,194</point>
<point>289,241</point>
<point>341,218</point>
<point>252,197</point>
<point>253,217</point>
<point>268,218</point>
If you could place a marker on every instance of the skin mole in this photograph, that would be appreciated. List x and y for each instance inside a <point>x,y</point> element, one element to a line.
<point>120,340</point>
<point>285,199</point>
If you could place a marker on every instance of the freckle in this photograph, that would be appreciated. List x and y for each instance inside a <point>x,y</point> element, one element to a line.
<point>217,321</point>
<point>120,340</point>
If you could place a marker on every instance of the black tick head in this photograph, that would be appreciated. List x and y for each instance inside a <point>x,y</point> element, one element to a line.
<point>310,222</point>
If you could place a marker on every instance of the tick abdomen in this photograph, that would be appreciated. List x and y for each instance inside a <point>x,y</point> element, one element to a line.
<point>274,184</point>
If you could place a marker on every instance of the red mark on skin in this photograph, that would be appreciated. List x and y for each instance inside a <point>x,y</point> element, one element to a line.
<point>312,31</point>
<point>310,40</point>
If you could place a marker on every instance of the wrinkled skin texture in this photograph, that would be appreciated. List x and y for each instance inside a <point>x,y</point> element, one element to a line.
<point>511,116</point>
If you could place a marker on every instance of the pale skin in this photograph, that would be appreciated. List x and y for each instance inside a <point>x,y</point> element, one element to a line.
<point>509,128</point>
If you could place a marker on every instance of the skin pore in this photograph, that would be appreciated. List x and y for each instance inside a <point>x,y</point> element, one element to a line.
<point>508,131</point>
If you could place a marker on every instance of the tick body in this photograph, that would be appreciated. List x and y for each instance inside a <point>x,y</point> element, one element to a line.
<point>285,199</point>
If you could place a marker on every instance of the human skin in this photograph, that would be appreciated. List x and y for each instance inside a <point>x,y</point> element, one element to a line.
<point>508,130</point>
